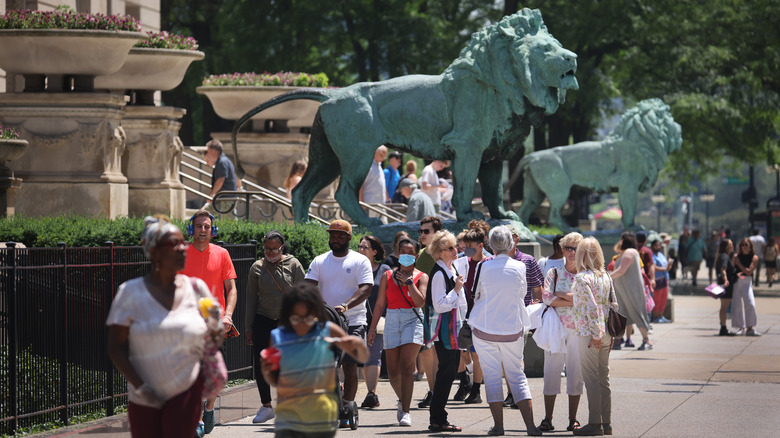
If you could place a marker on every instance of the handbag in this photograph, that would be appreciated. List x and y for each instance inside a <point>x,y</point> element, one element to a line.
<point>465,339</point>
<point>616,323</point>
<point>213,370</point>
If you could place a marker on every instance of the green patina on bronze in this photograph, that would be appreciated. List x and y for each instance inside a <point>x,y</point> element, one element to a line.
<point>627,161</point>
<point>476,114</point>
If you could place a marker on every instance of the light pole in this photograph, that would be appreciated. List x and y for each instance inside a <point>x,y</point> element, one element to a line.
<point>658,200</point>
<point>706,198</point>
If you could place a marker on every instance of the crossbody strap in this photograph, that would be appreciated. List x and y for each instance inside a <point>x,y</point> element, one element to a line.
<point>270,274</point>
<point>554,286</point>
<point>400,288</point>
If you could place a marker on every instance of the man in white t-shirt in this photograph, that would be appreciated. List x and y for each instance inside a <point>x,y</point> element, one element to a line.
<point>758,246</point>
<point>429,182</point>
<point>345,279</point>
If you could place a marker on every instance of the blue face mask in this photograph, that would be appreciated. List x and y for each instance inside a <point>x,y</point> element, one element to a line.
<point>469,252</point>
<point>406,260</point>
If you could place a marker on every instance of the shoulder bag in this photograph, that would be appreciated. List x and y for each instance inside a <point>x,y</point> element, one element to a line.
<point>464,334</point>
<point>616,323</point>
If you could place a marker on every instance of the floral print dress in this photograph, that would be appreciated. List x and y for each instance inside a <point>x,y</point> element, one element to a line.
<point>591,303</point>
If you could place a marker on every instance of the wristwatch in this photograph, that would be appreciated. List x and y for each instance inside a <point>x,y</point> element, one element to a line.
<point>344,305</point>
<point>409,282</point>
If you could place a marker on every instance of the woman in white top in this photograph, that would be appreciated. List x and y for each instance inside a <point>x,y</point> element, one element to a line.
<point>445,306</point>
<point>156,338</point>
<point>557,293</point>
<point>592,300</point>
<point>498,320</point>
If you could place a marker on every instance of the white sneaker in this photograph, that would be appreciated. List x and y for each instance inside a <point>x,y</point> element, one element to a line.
<point>406,419</point>
<point>399,412</point>
<point>263,414</point>
<point>741,332</point>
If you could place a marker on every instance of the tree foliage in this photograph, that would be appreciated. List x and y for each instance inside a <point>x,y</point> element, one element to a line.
<point>715,62</point>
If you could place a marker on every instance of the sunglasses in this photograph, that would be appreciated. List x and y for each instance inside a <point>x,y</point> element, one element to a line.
<point>308,320</point>
<point>175,243</point>
<point>424,231</point>
<point>744,244</point>
<point>570,248</point>
<point>451,248</point>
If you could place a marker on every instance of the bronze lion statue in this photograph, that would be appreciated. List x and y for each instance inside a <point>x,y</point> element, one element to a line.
<point>627,161</point>
<point>476,113</point>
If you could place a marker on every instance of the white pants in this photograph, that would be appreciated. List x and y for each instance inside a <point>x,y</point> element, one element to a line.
<point>553,365</point>
<point>494,355</point>
<point>743,299</point>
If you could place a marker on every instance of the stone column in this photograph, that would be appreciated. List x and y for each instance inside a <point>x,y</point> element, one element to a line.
<point>151,161</point>
<point>73,161</point>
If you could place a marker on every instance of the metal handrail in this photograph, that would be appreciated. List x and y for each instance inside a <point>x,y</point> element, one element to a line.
<point>266,194</point>
<point>257,195</point>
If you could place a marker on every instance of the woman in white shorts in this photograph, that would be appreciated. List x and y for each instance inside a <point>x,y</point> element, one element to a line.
<point>402,292</point>
<point>557,294</point>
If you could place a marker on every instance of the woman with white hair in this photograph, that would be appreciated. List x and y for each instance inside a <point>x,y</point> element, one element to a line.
<point>557,293</point>
<point>498,334</point>
<point>156,338</point>
<point>592,299</point>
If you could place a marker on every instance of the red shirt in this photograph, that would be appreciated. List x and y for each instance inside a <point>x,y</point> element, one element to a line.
<point>395,299</point>
<point>213,266</point>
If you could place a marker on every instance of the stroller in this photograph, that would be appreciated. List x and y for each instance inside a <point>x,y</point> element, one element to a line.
<point>350,411</point>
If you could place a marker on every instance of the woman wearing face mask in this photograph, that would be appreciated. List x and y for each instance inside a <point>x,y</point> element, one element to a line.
<point>268,278</point>
<point>402,292</point>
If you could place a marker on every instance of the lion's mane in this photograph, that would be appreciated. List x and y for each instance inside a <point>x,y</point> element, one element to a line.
<point>650,127</point>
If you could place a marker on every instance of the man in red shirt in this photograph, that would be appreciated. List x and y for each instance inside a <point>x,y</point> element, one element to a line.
<point>212,264</point>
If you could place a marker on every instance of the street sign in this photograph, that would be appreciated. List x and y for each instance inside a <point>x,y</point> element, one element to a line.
<point>737,180</point>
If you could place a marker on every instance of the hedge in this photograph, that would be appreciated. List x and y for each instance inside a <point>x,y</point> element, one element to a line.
<point>304,241</point>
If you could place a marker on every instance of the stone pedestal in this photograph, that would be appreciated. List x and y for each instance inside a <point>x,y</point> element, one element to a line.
<point>73,161</point>
<point>152,158</point>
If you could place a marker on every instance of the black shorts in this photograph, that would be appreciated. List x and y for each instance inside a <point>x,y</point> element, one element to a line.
<point>772,264</point>
<point>355,330</point>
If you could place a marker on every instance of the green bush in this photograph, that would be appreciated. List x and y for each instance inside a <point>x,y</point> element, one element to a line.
<point>304,241</point>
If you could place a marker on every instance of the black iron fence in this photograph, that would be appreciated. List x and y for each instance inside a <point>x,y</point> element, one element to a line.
<point>54,367</point>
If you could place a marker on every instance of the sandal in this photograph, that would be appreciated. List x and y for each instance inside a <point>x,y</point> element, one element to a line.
<point>449,427</point>
<point>546,425</point>
<point>573,425</point>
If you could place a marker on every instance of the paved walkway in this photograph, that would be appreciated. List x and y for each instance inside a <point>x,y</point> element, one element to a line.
<point>692,384</point>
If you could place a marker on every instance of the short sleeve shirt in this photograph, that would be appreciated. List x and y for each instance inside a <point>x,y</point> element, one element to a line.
<point>224,169</point>
<point>213,266</point>
<point>429,176</point>
<point>339,278</point>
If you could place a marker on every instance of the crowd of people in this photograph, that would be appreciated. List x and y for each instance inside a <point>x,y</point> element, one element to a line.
<point>410,304</point>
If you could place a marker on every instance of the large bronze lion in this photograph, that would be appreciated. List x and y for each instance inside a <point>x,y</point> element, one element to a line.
<point>627,161</point>
<point>475,114</point>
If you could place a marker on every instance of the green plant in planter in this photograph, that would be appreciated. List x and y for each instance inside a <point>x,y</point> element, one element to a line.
<point>65,18</point>
<point>8,133</point>
<point>265,79</point>
<point>165,40</point>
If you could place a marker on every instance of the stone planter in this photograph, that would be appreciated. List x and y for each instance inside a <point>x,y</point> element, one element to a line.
<point>150,69</point>
<point>10,150</point>
<point>233,102</point>
<point>63,53</point>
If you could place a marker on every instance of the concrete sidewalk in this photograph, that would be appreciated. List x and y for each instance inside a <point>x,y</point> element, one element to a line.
<point>692,384</point>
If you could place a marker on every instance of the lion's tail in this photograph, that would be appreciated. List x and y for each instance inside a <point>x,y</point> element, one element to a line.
<point>317,94</point>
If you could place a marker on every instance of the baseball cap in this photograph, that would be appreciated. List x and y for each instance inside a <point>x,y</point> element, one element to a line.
<point>396,154</point>
<point>340,225</point>
<point>407,182</point>
<point>513,229</point>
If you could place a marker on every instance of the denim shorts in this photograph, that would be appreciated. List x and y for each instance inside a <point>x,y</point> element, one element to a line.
<point>403,326</point>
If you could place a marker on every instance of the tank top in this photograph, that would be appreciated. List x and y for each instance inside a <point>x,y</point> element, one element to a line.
<point>306,392</point>
<point>745,260</point>
<point>395,295</point>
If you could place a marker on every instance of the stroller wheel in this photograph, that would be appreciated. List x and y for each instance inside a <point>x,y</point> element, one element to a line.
<point>353,415</point>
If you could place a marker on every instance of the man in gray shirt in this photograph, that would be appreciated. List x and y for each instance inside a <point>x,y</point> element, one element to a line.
<point>420,204</point>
